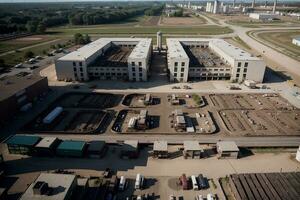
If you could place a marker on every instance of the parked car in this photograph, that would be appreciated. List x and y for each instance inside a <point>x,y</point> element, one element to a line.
<point>202,182</point>
<point>199,197</point>
<point>107,173</point>
<point>172,197</point>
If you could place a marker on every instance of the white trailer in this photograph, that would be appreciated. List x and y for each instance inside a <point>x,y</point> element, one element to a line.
<point>122,183</point>
<point>139,181</point>
<point>194,182</point>
<point>52,115</point>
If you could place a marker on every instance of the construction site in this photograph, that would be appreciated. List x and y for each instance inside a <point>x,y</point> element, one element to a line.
<point>217,114</point>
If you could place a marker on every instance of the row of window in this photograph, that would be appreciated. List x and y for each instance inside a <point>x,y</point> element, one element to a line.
<point>206,69</point>
<point>176,64</point>
<point>134,74</point>
<point>74,64</point>
<point>107,74</point>
<point>238,76</point>
<point>105,69</point>
<point>181,74</point>
<point>181,69</point>
<point>139,64</point>
<point>239,70</point>
<point>140,69</point>
<point>240,64</point>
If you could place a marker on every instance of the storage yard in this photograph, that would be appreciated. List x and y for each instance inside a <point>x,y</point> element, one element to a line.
<point>264,186</point>
<point>218,114</point>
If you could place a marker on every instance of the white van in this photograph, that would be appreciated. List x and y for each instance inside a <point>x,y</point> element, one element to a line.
<point>210,197</point>
<point>122,183</point>
<point>139,181</point>
<point>194,182</point>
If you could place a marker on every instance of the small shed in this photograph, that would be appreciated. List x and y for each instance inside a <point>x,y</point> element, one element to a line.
<point>130,149</point>
<point>160,149</point>
<point>22,144</point>
<point>47,146</point>
<point>71,148</point>
<point>192,149</point>
<point>96,149</point>
<point>227,149</point>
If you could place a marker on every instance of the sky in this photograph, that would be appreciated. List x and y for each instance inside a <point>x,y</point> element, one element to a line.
<point>24,1</point>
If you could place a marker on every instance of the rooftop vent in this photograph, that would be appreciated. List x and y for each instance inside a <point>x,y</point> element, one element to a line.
<point>40,188</point>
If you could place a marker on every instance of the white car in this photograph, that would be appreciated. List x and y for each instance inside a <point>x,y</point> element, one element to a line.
<point>199,197</point>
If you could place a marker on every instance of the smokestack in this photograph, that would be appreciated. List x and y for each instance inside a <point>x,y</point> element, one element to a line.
<point>253,3</point>
<point>274,7</point>
<point>233,3</point>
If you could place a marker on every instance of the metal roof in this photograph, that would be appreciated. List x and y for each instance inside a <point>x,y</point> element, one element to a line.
<point>46,142</point>
<point>23,140</point>
<point>160,146</point>
<point>96,145</point>
<point>59,183</point>
<point>71,145</point>
<point>227,146</point>
<point>192,146</point>
<point>140,50</point>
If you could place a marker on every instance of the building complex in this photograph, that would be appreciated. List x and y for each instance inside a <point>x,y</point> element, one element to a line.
<point>211,59</point>
<point>107,58</point>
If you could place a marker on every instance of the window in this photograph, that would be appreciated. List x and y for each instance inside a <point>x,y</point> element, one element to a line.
<point>176,64</point>
<point>133,74</point>
<point>140,74</point>
<point>182,69</point>
<point>81,69</point>
<point>175,74</point>
<point>239,64</point>
<point>74,64</point>
<point>133,63</point>
<point>238,70</point>
<point>80,64</point>
<point>140,69</point>
<point>140,63</point>
<point>81,74</point>
<point>237,75</point>
<point>245,70</point>
<point>182,64</point>
<point>244,76</point>
<point>175,69</point>
<point>246,64</point>
<point>133,69</point>
<point>182,75</point>
<point>75,69</point>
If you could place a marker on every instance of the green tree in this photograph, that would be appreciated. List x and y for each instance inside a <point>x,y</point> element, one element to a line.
<point>28,54</point>
<point>31,26</point>
<point>41,28</point>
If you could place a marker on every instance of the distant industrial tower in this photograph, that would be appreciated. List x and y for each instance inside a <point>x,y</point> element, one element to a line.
<point>216,7</point>
<point>233,3</point>
<point>159,40</point>
<point>274,7</point>
<point>253,3</point>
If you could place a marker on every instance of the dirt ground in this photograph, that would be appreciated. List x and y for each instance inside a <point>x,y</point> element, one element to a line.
<point>223,115</point>
<point>161,173</point>
<point>184,21</point>
<point>152,21</point>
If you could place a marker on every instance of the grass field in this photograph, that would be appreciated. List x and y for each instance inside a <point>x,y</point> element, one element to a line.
<point>282,41</point>
<point>119,30</point>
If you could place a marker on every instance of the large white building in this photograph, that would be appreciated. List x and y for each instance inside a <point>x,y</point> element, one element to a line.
<point>263,16</point>
<point>107,58</point>
<point>211,59</point>
<point>296,41</point>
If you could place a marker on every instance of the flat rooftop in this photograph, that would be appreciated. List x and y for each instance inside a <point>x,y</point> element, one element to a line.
<point>160,146</point>
<point>46,142</point>
<point>191,146</point>
<point>11,85</point>
<point>59,183</point>
<point>140,50</point>
<point>176,50</point>
<point>227,146</point>
<point>115,56</point>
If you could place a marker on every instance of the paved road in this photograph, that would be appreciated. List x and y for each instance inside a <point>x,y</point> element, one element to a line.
<point>293,141</point>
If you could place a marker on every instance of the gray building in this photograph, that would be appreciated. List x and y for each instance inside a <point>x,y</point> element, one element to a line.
<point>160,149</point>
<point>192,149</point>
<point>227,149</point>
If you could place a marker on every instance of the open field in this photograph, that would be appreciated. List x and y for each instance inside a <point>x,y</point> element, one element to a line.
<point>280,41</point>
<point>23,42</point>
<point>182,21</point>
<point>119,30</point>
